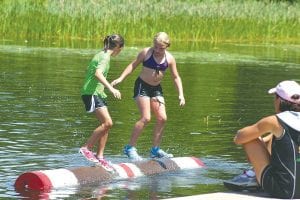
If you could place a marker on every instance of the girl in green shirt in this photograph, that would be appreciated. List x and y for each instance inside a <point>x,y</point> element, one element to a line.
<point>93,96</point>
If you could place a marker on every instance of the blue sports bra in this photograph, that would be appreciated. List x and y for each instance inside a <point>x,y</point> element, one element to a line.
<point>152,64</point>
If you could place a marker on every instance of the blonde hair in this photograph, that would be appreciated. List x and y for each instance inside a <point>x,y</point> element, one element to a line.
<point>162,38</point>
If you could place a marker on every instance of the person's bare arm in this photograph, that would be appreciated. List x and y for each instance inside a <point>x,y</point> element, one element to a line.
<point>264,126</point>
<point>177,80</point>
<point>102,79</point>
<point>130,68</point>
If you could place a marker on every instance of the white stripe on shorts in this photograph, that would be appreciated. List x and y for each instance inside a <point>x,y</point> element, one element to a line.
<point>92,108</point>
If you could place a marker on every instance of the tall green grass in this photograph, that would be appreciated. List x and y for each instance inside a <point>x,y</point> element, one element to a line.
<point>190,20</point>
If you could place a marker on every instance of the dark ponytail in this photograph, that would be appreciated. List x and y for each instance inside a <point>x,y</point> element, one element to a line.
<point>289,106</point>
<point>112,41</point>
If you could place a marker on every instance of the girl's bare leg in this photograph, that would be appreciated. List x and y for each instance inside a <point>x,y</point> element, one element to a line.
<point>258,155</point>
<point>100,134</point>
<point>143,104</point>
<point>159,111</point>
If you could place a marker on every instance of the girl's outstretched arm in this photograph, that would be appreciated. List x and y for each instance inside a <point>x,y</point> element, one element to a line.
<point>130,68</point>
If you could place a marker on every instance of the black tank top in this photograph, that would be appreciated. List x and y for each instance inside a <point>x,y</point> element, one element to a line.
<point>285,150</point>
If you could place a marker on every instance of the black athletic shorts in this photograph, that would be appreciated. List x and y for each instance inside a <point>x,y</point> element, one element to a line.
<point>92,102</point>
<point>141,88</point>
<point>278,183</point>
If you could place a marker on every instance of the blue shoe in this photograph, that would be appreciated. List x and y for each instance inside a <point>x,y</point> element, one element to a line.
<point>156,152</point>
<point>132,154</point>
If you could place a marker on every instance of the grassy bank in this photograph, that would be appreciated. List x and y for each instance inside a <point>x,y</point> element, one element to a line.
<point>190,20</point>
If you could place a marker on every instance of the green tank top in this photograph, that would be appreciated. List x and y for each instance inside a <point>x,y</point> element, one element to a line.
<point>91,85</point>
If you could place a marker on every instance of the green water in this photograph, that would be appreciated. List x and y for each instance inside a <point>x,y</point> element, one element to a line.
<point>43,122</point>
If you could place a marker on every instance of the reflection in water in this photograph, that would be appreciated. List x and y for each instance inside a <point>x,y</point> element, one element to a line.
<point>45,195</point>
<point>43,121</point>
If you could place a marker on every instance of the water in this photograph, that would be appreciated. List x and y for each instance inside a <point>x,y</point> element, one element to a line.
<point>43,122</point>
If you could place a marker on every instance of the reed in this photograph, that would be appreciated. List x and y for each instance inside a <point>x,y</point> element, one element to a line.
<point>139,20</point>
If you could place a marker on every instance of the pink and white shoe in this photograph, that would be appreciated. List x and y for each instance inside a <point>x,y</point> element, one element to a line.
<point>105,164</point>
<point>89,155</point>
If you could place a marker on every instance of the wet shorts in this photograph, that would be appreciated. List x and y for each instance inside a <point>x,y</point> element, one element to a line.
<point>142,88</point>
<point>92,102</point>
<point>277,183</point>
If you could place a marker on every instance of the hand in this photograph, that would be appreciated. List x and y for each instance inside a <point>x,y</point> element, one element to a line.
<point>115,82</point>
<point>116,93</point>
<point>181,101</point>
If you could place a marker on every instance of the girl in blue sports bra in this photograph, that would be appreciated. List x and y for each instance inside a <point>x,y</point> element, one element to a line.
<point>148,92</point>
<point>152,64</point>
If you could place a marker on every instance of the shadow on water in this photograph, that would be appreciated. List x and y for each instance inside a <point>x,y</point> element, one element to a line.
<point>43,122</point>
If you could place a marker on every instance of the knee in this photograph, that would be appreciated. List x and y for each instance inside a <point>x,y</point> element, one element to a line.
<point>107,125</point>
<point>162,120</point>
<point>145,120</point>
